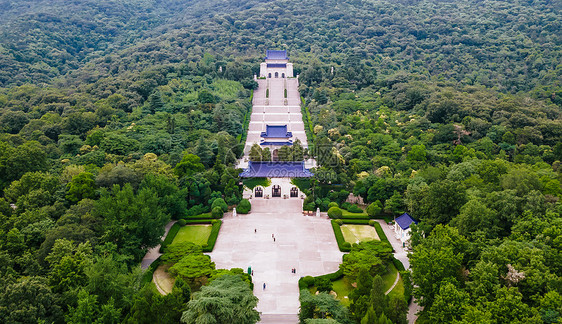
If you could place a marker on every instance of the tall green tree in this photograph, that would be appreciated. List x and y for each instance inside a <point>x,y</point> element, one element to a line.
<point>227,299</point>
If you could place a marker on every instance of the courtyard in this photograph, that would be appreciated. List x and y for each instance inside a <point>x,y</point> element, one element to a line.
<point>305,243</point>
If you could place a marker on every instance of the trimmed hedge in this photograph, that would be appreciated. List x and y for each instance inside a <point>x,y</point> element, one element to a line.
<point>309,281</point>
<point>170,237</point>
<point>213,236</point>
<point>356,221</point>
<point>200,216</point>
<point>398,264</point>
<point>339,237</point>
<point>348,215</point>
<point>381,234</point>
<point>149,273</point>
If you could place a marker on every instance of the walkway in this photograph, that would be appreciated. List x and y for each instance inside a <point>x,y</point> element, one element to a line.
<point>402,255</point>
<point>154,253</point>
<point>275,110</point>
<point>306,243</point>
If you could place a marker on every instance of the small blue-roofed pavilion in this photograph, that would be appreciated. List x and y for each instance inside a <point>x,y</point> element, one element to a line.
<point>402,226</point>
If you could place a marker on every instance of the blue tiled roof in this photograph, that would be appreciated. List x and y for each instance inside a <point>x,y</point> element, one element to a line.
<point>288,143</point>
<point>276,170</point>
<point>276,131</point>
<point>276,55</point>
<point>405,220</point>
<point>276,65</point>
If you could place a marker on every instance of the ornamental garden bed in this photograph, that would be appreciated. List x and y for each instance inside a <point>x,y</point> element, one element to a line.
<point>358,233</point>
<point>198,234</point>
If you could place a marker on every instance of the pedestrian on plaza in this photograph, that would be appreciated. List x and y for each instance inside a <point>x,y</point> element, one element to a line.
<point>252,272</point>
<point>264,286</point>
<point>255,230</point>
<point>274,239</point>
<point>272,235</point>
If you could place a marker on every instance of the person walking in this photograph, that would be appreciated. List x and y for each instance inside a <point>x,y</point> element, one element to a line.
<point>264,286</point>
<point>255,230</point>
<point>274,239</point>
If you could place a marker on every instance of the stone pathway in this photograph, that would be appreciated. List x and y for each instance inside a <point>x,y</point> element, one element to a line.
<point>154,253</point>
<point>306,243</point>
<point>394,284</point>
<point>275,111</point>
<point>402,255</point>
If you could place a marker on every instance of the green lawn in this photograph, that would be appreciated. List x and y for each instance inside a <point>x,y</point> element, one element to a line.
<point>358,233</point>
<point>198,234</point>
<point>398,290</point>
<point>389,277</point>
<point>342,287</point>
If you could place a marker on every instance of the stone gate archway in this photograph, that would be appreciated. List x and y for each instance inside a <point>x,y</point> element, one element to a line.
<point>258,192</point>
<point>276,191</point>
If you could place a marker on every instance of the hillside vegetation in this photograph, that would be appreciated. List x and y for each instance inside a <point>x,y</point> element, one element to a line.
<point>118,116</point>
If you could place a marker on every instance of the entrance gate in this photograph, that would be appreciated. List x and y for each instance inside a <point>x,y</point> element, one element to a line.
<point>294,192</point>
<point>276,191</point>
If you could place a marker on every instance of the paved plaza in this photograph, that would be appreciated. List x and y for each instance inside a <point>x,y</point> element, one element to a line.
<point>306,243</point>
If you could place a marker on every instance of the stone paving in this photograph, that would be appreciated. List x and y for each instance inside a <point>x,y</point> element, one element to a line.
<point>276,109</point>
<point>306,243</point>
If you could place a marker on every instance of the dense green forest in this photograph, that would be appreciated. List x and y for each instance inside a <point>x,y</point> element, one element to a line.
<point>117,116</point>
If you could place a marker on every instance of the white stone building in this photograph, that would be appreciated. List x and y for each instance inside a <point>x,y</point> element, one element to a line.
<point>402,227</point>
<point>276,65</point>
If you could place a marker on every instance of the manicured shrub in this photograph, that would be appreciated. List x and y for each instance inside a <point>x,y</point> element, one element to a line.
<point>333,204</point>
<point>354,209</point>
<point>323,284</point>
<point>217,212</point>
<point>244,206</point>
<point>339,221</point>
<point>334,212</point>
<point>345,205</point>
<point>181,222</point>
<point>219,202</point>
<point>372,222</point>
<point>310,206</point>
<point>346,245</point>
<point>195,210</point>
<point>308,281</point>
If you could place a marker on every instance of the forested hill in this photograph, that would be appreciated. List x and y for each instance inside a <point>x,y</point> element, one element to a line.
<point>118,116</point>
<point>509,45</point>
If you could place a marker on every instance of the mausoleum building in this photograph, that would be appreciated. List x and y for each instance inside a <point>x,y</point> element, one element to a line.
<point>276,65</point>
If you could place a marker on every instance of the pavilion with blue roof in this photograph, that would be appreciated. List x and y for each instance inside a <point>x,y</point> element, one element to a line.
<point>402,226</point>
